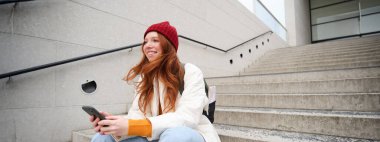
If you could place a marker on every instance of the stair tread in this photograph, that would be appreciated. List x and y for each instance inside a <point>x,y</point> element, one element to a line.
<point>359,71</point>
<point>326,113</point>
<point>315,53</point>
<point>300,81</point>
<point>316,50</point>
<point>86,133</point>
<point>275,135</point>
<point>316,61</point>
<point>297,94</point>
<point>345,42</point>
<point>301,70</point>
<point>366,102</point>
<point>366,63</point>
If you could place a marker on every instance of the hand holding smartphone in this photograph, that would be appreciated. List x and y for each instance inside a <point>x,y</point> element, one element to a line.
<point>92,111</point>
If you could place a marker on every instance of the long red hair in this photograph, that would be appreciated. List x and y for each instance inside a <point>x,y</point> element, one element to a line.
<point>166,68</point>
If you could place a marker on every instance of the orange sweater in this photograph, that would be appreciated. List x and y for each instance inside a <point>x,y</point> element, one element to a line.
<point>139,127</point>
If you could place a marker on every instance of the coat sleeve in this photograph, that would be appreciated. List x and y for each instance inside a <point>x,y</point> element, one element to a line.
<point>188,108</point>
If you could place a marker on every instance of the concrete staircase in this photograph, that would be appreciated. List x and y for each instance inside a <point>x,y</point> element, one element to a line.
<point>320,92</point>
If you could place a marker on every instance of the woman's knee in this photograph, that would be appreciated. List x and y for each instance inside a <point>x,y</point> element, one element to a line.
<point>182,134</point>
<point>102,138</point>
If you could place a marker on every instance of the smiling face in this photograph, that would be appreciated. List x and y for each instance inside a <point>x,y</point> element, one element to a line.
<point>152,47</point>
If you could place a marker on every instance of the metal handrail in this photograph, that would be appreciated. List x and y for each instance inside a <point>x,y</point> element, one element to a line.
<point>35,68</point>
<point>225,51</point>
<point>271,32</point>
<point>12,1</point>
<point>193,40</point>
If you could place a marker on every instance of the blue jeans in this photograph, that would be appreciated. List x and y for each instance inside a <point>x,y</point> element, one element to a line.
<point>180,134</point>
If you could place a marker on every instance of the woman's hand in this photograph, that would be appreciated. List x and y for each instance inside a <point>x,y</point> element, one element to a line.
<point>96,121</point>
<point>117,126</point>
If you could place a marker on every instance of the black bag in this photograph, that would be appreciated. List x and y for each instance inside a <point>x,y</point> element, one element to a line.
<point>211,106</point>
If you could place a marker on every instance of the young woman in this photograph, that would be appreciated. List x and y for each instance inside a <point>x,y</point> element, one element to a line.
<point>159,111</point>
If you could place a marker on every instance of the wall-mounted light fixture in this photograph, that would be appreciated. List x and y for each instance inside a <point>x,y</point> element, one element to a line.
<point>89,87</point>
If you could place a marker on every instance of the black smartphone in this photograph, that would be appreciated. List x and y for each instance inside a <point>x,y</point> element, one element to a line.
<point>92,111</point>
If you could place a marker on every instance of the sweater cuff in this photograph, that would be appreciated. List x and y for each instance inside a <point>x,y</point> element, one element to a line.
<point>139,127</point>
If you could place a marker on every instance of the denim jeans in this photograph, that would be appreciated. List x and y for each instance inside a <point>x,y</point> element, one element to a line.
<point>180,134</point>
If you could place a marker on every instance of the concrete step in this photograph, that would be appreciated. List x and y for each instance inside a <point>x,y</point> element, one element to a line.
<point>291,51</point>
<point>86,134</point>
<point>345,42</point>
<point>326,46</point>
<point>371,72</point>
<point>319,58</point>
<point>334,101</point>
<point>332,66</point>
<point>362,125</point>
<point>369,85</point>
<point>229,133</point>
<point>83,135</point>
<point>319,47</point>
<point>270,60</point>
<point>316,63</point>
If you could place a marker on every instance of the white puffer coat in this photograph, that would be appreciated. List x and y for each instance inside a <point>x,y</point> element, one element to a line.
<point>188,110</point>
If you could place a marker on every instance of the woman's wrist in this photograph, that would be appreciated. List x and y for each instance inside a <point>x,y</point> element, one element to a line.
<point>139,127</point>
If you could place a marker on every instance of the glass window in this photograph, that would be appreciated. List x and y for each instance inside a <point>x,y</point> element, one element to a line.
<point>319,3</point>
<point>270,21</point>
<point>370,16</point>
<point>335,12</point>
<point>370,23</point>
<point>370,6</point>
<point>340,18</point>
<point>265,14</point>
<point>336,29</point>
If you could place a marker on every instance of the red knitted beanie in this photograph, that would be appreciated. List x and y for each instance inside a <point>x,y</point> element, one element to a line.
<point>166,30</point>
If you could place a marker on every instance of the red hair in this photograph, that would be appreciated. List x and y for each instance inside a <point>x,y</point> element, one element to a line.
<point>166,68</point>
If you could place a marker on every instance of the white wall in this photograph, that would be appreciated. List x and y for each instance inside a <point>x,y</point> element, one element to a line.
<point>297,22</point>
<point>45,105</point>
